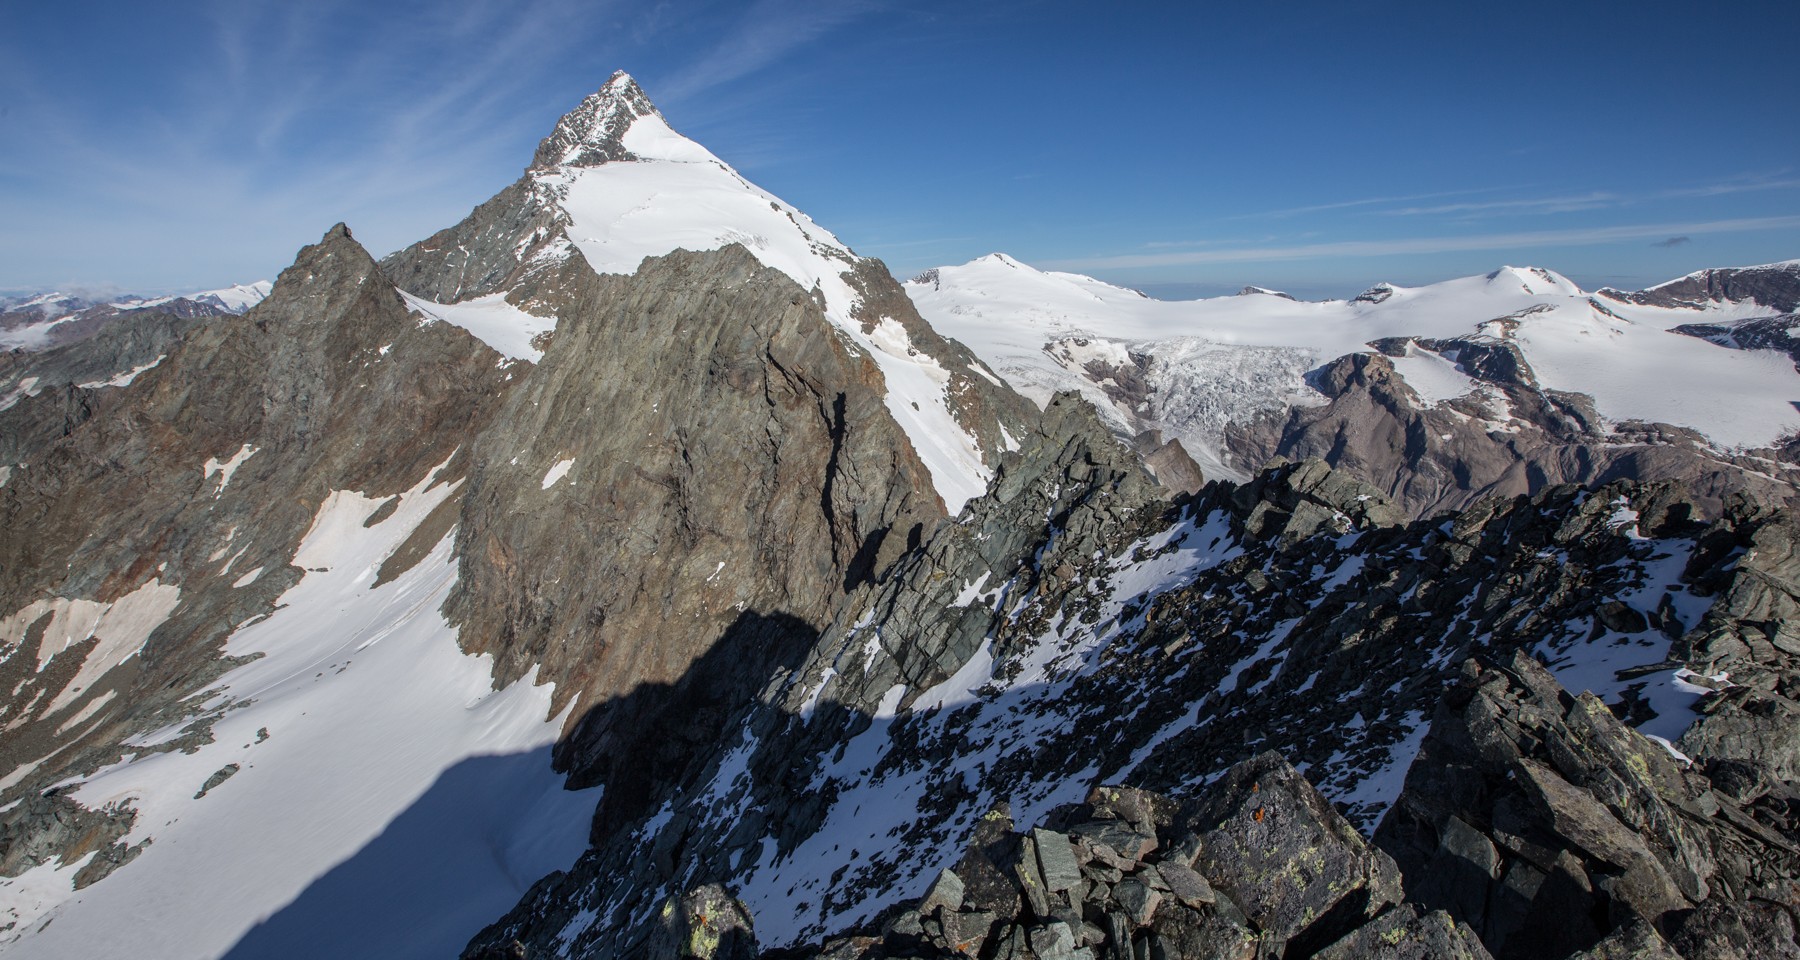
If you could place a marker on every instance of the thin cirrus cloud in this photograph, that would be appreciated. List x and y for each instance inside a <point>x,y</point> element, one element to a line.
<point>1563,204</point>
<point>1425,245</point>
<point>766,33</point>
<point>1350,205</point>
<point>1477,209</point>
<point>1593,200</point>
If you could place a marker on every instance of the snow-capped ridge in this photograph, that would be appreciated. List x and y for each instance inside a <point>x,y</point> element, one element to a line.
<point>237,298</point>
<point>1536,280</point>
<point>1378,293</point>
<point>1787,265</point>
<point>617,122</point>
<point>1210,360</point>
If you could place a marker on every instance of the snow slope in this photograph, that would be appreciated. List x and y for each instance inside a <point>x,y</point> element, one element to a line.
<point>387,801</point>
<point>509,330</point>
<point>1623,355</point>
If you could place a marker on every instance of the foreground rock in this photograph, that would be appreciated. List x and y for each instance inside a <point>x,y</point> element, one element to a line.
<point>1551,828</point>
<point>1259,865</point>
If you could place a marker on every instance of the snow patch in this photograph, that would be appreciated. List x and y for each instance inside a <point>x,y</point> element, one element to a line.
<point>397,804</point>
<point>225,468</point>
<point>557,471</point>
<point>495,322</point>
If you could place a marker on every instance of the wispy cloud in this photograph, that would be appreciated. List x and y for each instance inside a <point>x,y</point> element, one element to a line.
<point>1426,245</point>
<point>1736,185</point>
<point>1562,204</point>
<point>767,32</point>
<point>1364,202</point>
<point>1674,241</point>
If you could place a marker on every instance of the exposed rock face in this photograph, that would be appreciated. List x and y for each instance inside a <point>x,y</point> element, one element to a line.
<point>488,251</point>
<point>1509,438</point>
<point>1551,828</point>
<point>48,826</point>
<point>594,132</point>
<point>156,498</point>
<point>1776,286</point>
<point>699,460</point>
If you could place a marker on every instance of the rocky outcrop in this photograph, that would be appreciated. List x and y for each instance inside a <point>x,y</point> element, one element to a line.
<point>1510,437</point>
<point>1553,830</point>
<point>1755,333</point>
<point>1746,656</point>
<point>1533,824</point>
<point>47,827</point>
<point>1775,286</point>
<point>1258,865</point>
<point>487,251</point>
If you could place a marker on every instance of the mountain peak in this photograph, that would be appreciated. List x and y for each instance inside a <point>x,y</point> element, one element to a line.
<point>594,132</point>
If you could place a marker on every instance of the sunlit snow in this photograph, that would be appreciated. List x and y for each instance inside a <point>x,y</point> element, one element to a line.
<point>389,803</point>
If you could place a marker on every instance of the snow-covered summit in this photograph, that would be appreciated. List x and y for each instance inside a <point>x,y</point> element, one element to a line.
<point>614,184</point>
<point>616,122</point>
<point>1536,280</point>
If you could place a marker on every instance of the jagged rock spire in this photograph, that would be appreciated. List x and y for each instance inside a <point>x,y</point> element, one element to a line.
<point>593,133</point>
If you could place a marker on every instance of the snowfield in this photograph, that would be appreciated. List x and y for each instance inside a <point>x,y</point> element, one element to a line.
<point>1624,356</point>
<point>385,800</point>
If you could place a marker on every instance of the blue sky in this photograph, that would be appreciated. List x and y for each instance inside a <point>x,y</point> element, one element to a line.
<point>1181,148</point>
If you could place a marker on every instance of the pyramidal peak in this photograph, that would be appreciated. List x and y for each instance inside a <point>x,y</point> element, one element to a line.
<point>618,122</point>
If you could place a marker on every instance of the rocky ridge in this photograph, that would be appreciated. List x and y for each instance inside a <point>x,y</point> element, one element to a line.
<point>173,504</point>
<point>1147,642</point>
<point>1533,824</point>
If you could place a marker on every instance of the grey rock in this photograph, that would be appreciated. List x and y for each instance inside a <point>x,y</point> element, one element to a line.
<point>946,892</point>
<point>1403,934</point>
<point>1054,941</point>
<point>1056,858</point>
<point>1139,899</point>
<point>1186,884</point>
<point>1286,856</point>
<point>219,776</point>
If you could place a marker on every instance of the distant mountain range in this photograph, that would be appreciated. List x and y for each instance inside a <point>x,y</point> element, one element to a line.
<point>42,320</point>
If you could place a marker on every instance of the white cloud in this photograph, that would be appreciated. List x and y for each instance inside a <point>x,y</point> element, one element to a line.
<point>1425,245</point>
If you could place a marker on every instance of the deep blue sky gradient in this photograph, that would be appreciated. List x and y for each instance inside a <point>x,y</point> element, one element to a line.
<point>1182,148</point>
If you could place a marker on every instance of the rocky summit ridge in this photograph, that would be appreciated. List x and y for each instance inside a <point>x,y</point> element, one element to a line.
<point>594,132</point>
<point>737,612</point>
